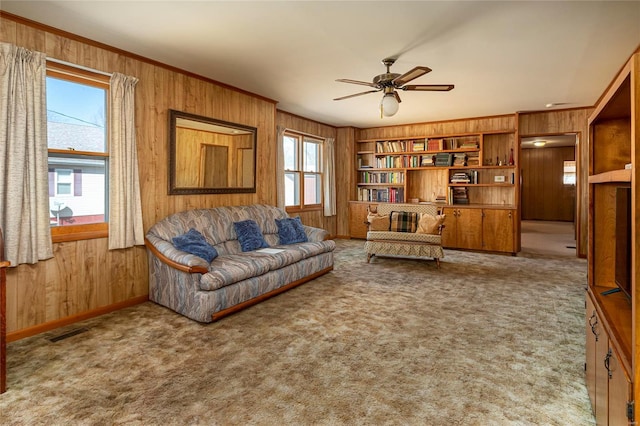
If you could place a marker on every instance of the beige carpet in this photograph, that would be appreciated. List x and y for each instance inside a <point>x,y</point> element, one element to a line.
<point>485,340</point>
<point>550,238</point>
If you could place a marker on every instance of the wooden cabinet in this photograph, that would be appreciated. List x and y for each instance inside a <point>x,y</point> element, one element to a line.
<point>463,228</point>
<point>357,219</point>
<point>613,344</point>
<point>498,230</point>
<point>479,229</point>
<point>607,383</point>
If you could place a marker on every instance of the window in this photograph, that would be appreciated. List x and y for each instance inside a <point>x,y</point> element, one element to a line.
<point>302,175</point>
<point>569,173</point>
<point>78,152</point>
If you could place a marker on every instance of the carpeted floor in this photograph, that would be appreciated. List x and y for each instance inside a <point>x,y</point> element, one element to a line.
<point>485,340</point>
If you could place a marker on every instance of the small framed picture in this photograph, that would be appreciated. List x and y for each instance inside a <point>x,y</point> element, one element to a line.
<point>499,179</point>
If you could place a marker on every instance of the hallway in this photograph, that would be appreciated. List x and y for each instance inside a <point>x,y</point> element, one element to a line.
<point>548,238</point>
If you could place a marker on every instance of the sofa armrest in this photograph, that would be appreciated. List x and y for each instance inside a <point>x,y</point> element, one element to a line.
<point>178,259</point>
<point>315,234</point>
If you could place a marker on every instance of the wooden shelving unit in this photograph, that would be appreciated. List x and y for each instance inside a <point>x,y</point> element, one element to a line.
<point>489,159</point>
<point>613,328</point>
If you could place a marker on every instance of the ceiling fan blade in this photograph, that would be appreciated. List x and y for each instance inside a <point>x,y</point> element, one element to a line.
<point>364,83</point>
<point>357,94</point>
<point>429,87</point>
<point>410,75</point>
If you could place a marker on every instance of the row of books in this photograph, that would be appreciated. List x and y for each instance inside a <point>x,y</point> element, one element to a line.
<point>384,195</point>
<point>404,161</point>
<point>427,144</point>
<point>381,177</point>
<point>442,159</point>
<point>460,177</point>
<point>458,195</point>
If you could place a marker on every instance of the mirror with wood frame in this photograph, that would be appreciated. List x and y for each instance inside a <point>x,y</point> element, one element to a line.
<point>209,156</point>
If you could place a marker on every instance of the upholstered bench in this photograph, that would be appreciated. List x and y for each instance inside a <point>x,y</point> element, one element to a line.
<point>426,242</point>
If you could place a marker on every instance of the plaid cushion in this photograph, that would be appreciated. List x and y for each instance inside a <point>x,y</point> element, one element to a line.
<point>404,221</point>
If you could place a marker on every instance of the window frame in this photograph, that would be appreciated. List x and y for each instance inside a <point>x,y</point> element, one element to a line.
<point>81,76</point>
<point>301,139</point>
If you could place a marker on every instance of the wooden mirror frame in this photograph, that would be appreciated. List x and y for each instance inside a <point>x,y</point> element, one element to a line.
<point>224,126</point>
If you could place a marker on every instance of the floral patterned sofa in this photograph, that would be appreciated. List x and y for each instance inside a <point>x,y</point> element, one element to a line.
<point>206,291</point>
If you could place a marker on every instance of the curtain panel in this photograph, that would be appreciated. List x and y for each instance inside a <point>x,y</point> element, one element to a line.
<point>329,177</point>
<point>24,177</point>
<point>125,208</point>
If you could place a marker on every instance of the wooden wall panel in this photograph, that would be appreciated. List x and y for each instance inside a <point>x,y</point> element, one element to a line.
<point>345,177</point>
<point>438,128</point>
<point>85,276</point>
<point>567,121</point>
<point>544,196</point>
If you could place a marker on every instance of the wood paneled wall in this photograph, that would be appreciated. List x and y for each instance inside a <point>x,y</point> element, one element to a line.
<point>85,276</point>
<point>544,196</point>
<point>437,128</point>
<point>567,121</point>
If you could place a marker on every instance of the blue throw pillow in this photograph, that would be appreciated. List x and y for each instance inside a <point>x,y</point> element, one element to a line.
<point>249,235</point>
<point>290,230</point>
<point>193,242</point>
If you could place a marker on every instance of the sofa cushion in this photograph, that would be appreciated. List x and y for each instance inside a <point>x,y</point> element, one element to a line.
<point>290,231</point>
<point>194,242</point>
<point>378,222</point>
<point>228,269</point>
<point>429,224</point>
<point>411,237</point>
<point>403,221</point>
<point>249,235</point>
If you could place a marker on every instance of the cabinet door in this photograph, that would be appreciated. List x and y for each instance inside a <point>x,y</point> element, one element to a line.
<point>469,228</point>
<point>357,219</point>
<point>619,391</point>
<point>449,231</point>
<point>497,230</point>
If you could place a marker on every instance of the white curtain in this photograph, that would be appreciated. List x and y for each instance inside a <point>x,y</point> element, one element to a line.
<point>280,167</point>
<point>24,184</point>
<point>125,210</point>
<point>329,165</point>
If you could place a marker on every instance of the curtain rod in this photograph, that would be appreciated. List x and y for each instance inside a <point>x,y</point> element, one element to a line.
<point>69,64</point>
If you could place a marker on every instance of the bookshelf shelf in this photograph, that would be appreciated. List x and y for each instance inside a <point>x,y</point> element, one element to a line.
<point>611,176</point>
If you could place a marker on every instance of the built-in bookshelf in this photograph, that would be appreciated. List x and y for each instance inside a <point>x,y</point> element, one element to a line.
<point>423,169</point>
<point>612,329</point>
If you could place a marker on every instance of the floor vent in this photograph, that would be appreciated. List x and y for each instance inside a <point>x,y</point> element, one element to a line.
<point>68,334</point>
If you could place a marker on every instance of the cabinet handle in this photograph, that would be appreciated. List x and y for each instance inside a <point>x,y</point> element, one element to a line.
<point>509,214</point>
<point>607,361</point>
<point>593,322</point>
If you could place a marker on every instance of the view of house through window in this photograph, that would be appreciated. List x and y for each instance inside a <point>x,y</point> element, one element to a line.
<point>569,173</point>
<point>77,141</point>
<point>302,176</point>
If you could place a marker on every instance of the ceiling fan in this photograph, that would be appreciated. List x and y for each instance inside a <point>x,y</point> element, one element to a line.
<point>390,82</point>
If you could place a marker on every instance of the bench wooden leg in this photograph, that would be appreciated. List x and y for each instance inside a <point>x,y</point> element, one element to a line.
<point>437,262</point>
<point>369,256</point>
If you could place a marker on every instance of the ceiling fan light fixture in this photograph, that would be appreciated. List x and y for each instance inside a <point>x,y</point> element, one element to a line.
<point>389,105</point>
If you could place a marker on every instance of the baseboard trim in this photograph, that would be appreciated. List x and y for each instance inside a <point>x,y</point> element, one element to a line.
<point>51,325</point>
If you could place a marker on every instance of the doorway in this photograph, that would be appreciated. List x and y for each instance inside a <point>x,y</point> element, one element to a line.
<point>549,192</point>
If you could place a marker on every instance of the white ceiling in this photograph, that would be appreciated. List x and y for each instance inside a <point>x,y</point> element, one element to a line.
<point>502,57</point>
